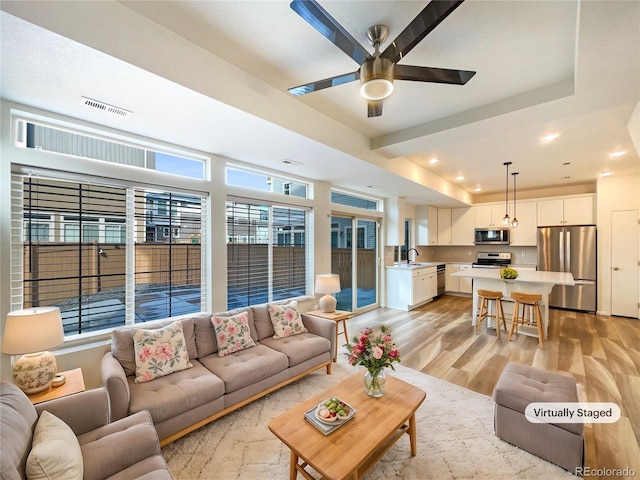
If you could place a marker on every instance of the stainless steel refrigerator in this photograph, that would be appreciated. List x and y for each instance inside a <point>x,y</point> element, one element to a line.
<point>570,249</point>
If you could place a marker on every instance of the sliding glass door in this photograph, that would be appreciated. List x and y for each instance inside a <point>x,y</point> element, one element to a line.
<point>354,257</point>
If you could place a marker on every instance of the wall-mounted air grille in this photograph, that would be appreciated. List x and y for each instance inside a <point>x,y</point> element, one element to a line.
<point>121,112</point>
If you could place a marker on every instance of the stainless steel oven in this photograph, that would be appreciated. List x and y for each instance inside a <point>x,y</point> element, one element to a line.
<point>492,260</point>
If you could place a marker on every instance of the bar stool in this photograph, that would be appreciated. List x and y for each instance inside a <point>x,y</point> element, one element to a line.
<point>524,300</point>
<point>491,296</point>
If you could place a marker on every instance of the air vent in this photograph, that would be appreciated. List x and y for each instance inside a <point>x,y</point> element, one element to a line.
<point>105,107</point>
<point>287,161</point>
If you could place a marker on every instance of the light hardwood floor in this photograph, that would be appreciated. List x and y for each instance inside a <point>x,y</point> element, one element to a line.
<point>602,353</point>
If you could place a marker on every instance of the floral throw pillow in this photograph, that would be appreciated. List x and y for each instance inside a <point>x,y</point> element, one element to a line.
<point>160,352</point>
<point>232,333</point>
<point>286,320</point>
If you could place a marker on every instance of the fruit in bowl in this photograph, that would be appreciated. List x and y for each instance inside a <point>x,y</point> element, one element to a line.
<point>333,409</point>
<point>325,414</point>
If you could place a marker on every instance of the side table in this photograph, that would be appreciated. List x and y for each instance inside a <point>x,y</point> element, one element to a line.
<point>74,383</point>
<point>337,316</point>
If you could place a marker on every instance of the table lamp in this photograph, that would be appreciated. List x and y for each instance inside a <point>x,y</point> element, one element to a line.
<point>30,332</point>
<point>327,283</point>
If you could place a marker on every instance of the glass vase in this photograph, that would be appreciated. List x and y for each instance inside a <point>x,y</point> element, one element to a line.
<point>374,383</point>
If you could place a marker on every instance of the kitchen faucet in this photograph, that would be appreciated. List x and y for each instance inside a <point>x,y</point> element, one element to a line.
<point>417,253</point>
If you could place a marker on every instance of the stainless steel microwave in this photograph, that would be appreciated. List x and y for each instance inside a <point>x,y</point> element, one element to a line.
<point>492,236</point>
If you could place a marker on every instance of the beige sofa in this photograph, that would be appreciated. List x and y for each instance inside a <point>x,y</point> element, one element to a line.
<point>78,443</point>
<point>214,386</point>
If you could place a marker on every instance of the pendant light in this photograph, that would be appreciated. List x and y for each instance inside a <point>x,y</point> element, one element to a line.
<point>514,222</point>
<point>505,219</point>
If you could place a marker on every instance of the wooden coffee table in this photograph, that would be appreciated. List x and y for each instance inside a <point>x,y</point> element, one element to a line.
<point>356,446</point>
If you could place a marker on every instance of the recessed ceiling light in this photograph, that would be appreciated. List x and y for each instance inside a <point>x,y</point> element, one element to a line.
<point>460,177</point>
<point>477,189</point>
<point>550,136</point>
<point>606,174</point>
<point>433,161</point>
<point>619,153</point>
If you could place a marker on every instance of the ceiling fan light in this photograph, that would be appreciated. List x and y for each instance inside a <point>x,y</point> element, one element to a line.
<point>376,89</point>
<point>376,76</point>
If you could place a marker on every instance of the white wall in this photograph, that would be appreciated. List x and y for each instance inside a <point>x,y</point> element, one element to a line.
<point>615,193</point>
<point>88,355</point>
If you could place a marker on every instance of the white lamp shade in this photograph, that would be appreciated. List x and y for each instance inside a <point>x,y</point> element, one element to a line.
<point>327,283</point>
<point>32,330</point>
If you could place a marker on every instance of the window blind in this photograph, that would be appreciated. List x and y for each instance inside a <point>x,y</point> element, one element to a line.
<point>106,255</point>
<point>267,252</point>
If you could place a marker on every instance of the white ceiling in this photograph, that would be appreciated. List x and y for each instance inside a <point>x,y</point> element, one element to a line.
<point>213,76</point>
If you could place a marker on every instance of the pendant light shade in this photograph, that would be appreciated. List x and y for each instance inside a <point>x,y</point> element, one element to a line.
<point>514,222</point>
<point>505,220</point>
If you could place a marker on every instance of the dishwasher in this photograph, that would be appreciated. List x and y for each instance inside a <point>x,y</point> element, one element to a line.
<point>441,278</point>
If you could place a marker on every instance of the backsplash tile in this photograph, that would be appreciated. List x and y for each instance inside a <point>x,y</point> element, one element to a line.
<point>521,255</point>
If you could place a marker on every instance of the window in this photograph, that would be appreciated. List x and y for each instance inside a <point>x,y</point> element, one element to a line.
<point>94,251</point>
<point>267,255</point>
<point>352,200</point>
<point>52,139</point>
<point>266,182</point>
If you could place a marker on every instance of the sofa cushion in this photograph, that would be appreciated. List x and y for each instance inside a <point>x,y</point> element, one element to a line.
<point>160,352</point>
<point>246,367</point>
<point>55,452</point>
<point>129,445</point>
<point>299,348</point>
<point>262,321</point>
<point>177,393</point>
<point>122,343</point>
<point>232,333</point>
<point>18,418</point>
<point>286,320</point>
<point>206,342</point>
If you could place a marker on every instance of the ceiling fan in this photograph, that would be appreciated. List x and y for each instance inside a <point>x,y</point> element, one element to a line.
<point>377,71</point>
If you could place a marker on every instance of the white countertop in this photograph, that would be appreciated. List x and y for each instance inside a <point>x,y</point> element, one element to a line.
<point>524,276</point>
<point>414,265</point>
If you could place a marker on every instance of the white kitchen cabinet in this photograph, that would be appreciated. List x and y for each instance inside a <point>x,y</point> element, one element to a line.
<point>457,284</point>
<point>395,220</point>
<point>489,216</point>
<point>408,288</point>
<point>525,234</point>
<point>567,211</point>
<point>451,284</point>
<point>427,220</point>
<point>465,283</point>
<point>431,284</point>
<point>463,222</point>
<point>444,226</point>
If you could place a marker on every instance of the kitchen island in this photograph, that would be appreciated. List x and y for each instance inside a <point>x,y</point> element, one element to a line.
<point>529,281</point>
<point>410,285</point>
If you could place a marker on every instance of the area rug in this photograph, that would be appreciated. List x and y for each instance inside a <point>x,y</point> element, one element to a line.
<point>456,439</point>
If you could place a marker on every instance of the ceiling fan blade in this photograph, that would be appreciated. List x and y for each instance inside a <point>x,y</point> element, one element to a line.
<point>326,83</point>
<point>432,15</point>
<point>319,19</point>
<point>434,75</point>
<point>374,108</point>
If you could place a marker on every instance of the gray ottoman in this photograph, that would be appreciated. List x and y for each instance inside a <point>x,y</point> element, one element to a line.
<point>519,385</point>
